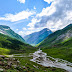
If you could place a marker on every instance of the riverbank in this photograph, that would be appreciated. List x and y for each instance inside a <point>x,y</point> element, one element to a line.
<point>22,63</point>
<point>41,58</point>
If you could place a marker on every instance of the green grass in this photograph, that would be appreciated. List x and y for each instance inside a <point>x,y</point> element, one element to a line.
<point>27,63</point>
<point>51,39</point>
<point>12,46</point>
<point>11,70</point>
<point>11,43</point>
<point>11,33</point>
<point>59,52</point>
<point>4,51</point>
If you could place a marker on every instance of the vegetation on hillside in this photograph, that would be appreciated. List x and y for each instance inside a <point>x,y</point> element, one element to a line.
<point>6,30</point>
<point>4,51</point>
<point>13,44</point>
<point>52,38</point>
<point>8,45</point>
<point>62,50</point>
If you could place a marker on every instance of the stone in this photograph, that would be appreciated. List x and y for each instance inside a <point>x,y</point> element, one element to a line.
<point>1,63</point>
<point>10,64</point>
<point>2,56</point>
<point>1,69</point>
<point>7,59</point>
<point>24,67</point>
<point>14,66</point>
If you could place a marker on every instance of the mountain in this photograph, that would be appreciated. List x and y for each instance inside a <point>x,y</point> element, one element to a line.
<point>7,31</point>
<point>63,50</point>
<point>37,37</point>
<point>22,54</point>
<point>7,42</point>
<point>57,37</point>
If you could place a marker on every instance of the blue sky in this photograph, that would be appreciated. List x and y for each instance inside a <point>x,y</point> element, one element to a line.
<point>14,6</point>
<point>28,16</point>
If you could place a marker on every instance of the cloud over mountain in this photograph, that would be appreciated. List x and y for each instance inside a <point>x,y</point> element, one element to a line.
<point>55,17</point>
<point>28,16</point>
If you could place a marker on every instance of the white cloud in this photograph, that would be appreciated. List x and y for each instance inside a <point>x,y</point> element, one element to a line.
<point>55,17</point>
<point>29,31</point>
<point>21,33</point>
<point>55,26</point>
<point>34,7</point>
<point>17,29</point>
<point>47,11</point>
<point>21,1</point>
<point>24,33</point>
<point>49,1</point>
<point>33,22</point>
<point>24,28</point>
<point>69,15</point>
<point>18,16</point>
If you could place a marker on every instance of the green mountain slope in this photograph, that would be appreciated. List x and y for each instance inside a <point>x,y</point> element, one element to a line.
<point>7,42</point>
<point>62,50</point>
<point>12,45</point>
<point>57,37</point>
<point>7,31</point>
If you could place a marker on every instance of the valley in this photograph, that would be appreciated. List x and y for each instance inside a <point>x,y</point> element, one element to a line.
<point>25,64</point>
<point>41,58</point>
<point>35,35</point>
<point>54,55</point>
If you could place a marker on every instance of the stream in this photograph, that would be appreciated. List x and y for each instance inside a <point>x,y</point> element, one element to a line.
<point>41,58</point>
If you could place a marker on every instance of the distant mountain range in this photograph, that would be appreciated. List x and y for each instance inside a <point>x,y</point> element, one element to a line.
<point>37,37</point>
<point>7,31</point>
<point>57,37</point>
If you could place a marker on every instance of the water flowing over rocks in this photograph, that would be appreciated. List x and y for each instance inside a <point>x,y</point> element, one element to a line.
<point>41,58</point>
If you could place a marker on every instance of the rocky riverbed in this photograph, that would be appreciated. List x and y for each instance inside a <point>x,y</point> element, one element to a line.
<point>34,62</point>
<point>41,58</point>
<point>10,64</point>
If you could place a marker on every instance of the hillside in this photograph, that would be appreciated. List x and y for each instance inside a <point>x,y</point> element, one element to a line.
<point>37,37</point>
<point>10,45</point>
<point>62,50</point>
<point>21,62</point>
<point>57,37</point>
<point>7,31</point>
<point>7,42</point>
